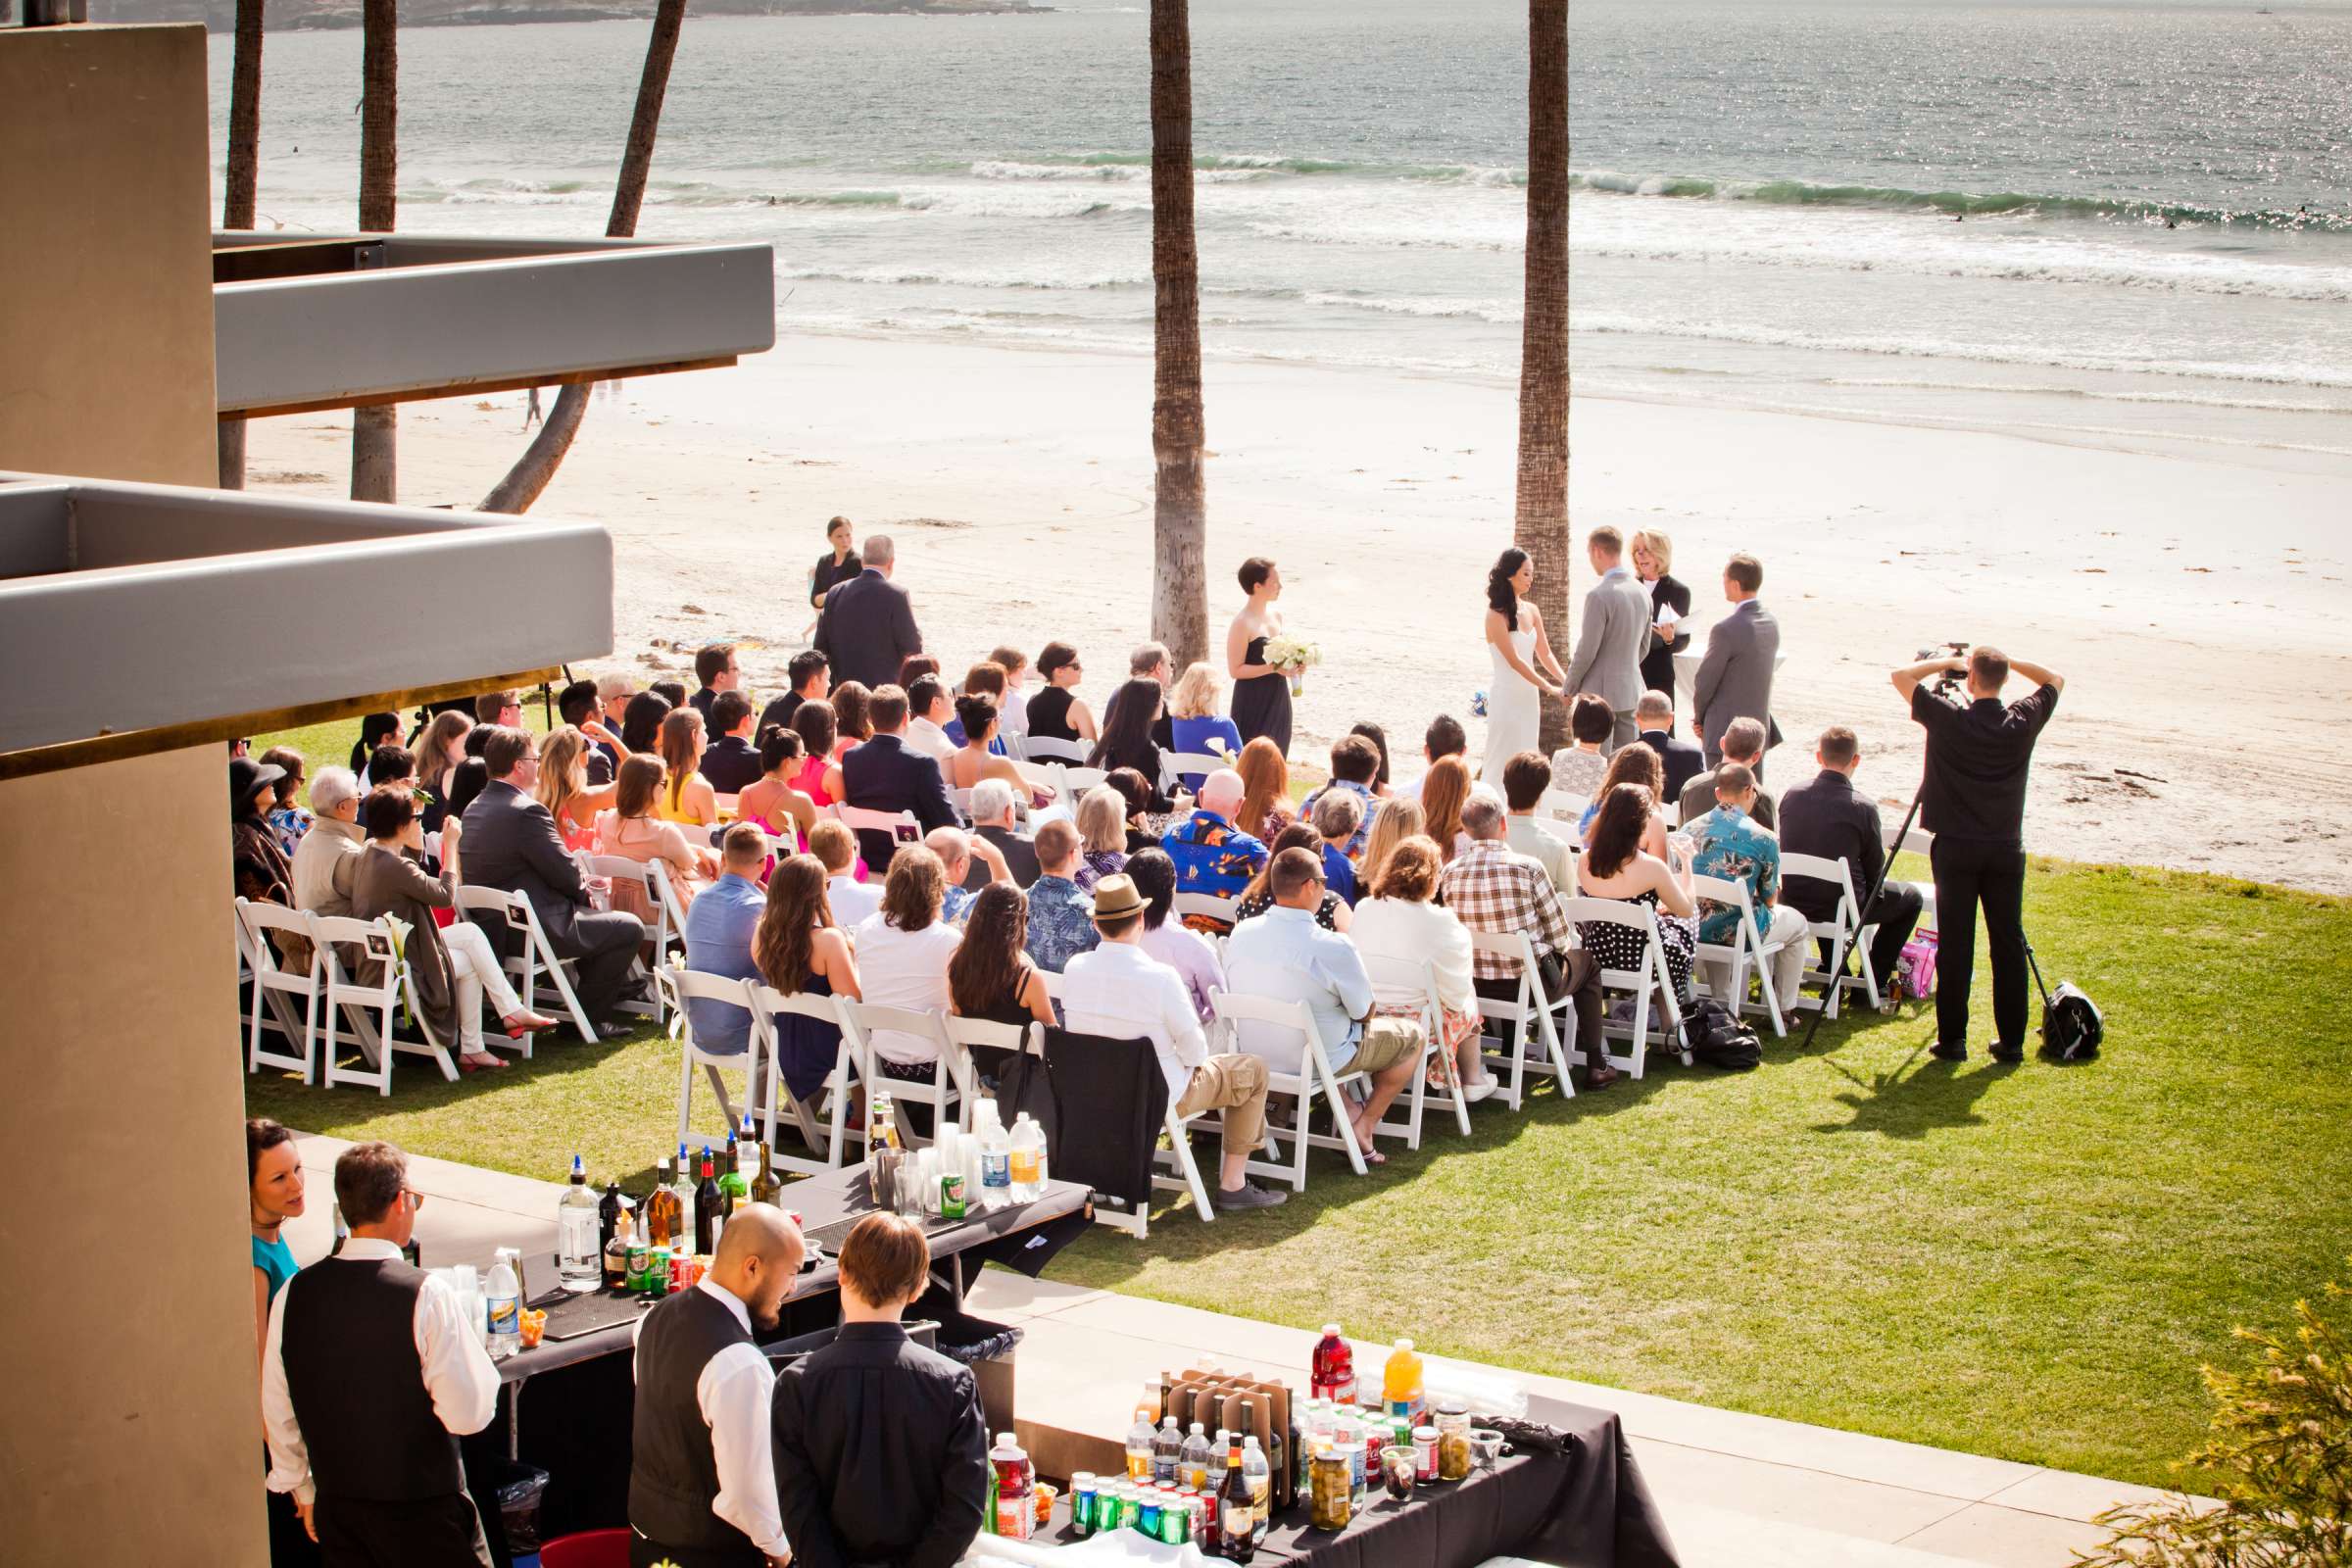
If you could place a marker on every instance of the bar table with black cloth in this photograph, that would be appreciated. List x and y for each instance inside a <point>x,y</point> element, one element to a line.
<point>1581,1504</point>
<point>575,1424</point>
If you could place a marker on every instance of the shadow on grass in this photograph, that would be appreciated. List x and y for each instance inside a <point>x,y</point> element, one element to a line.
<point>1920,1095</point>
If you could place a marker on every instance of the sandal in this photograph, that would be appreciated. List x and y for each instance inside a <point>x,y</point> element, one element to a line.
<point>526,1023</point>
<point>475,1064</point>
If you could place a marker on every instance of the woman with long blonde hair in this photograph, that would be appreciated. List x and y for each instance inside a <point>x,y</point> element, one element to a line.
<point>1443,795</point>
<point>562,786</point>
<point>688,798</point>
<point>1398,820</point>
<point>1265,791</point>
<point>633,829</point>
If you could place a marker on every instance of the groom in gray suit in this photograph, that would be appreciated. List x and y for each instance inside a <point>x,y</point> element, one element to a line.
<point>1734,680</point>
<point>1615,635</point>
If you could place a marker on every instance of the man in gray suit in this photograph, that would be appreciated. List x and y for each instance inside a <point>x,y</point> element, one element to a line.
<point>1615,635</point>
<point>508,841</point>
<point>1734,680</point>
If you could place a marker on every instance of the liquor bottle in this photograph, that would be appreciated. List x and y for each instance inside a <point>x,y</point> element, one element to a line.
<point>1167,1453</point>
<point>616,1253</point>
<point>682,1174</point>
<point>607,1214</point>
<point>412,1255</point>
<point>737,1182</point>
<point>579,1257</point>
<point>709,1202</point>
<point>726,1161</point>
<point>1261,1478</point>
<point>663,1212</point>
<point>766,1186</point>
<point>1237,1515</point>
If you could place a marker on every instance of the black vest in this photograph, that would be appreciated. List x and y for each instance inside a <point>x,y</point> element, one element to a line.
<point>673,1475</point>
<point>349,1343</point>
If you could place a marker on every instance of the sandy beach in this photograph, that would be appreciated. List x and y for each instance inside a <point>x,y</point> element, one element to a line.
<point>2190,592</point>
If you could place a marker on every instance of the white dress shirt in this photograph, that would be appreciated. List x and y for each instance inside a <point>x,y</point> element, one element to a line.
<point>459,1373</point>
<point>932,740</point>
<point>734,1393</point>
<point>851,900</point>
<point>906,969</point>
<point>1395,936</point>
<point>1118,992</point>
<point>1283,955</point>
<point>1192,956</point>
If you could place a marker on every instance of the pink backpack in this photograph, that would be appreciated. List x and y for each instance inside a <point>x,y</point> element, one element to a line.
<point>1915,971</point>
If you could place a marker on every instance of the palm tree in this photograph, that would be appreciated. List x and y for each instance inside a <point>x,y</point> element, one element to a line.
<point>1178,428</point>
<point>374,454</point>
<point>243,177</point>
<point>1540,526</point>
<point>531,474</point>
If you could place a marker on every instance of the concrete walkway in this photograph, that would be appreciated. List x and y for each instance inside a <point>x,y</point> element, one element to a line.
<point>1737,1491</point>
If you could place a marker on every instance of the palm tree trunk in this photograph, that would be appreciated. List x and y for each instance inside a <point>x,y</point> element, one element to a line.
<point>537,467</point>
<point>1179,425</point>
<point>374,454</point>
<point>243,178</point>
<point>1540,526</point>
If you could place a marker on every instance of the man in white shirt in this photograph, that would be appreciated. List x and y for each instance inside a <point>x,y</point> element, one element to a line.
<point>930,709</point>
<point>702,1470</point>
<point>836,847</point>
<point>369,1375</point>
<point>1117,992</point>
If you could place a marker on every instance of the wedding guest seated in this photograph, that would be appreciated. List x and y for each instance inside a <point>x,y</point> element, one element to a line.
<point>886,774</point>
<point>577,706</point>
<point>1823,816</point>
<point>1642,767</point>
<point>1061,916</point>
<point>1117,992</point>
<point>819,776</point>
<point>1492,888</point>
<point>1136,792</point>
<point>687,796</point>
<point>390,765</point>
<point>614,692</point>
<point>1194,722</point>
<point>467,782</point>
<point>914,667</point>
<point>376,729</point>
<point>992,822</point>
<point>851,717</point>
<point>633,830</point>
<point>489,708</point>
<point>1191,954</point>
<point>1331,914</point>
<point>903,950</point>
<point>1732,844</point>
<point>1266,806</point>
<point>1445,791</point>
<point>1212,857</point>
<point>327,858</point>
<point>1056,713</point>
<point>714,670</point>
<point>1285,954</point>
<point>1654,716</point>
<point>1742,743</point>
<point>1443,738</point>
<point>1401,928</point>
<point>991,976</point>
<point>1616,864</point>
<point>1102,835</point>
<point>1126,740</point>
<point>979,759</point>
<point>673,692</point>
<point>285,817</point>
<point>770,801</point>
<point>881,1446</point>
<point>928,711</point>
<point>1577,769</point>
<point>731,765</point>
<point>1379,738</point>
<point>261,872</point>
<point>641,723</point>
<point>984,679</point>
<point>1013,708</point>
<point>1526,778</point>
<point>961,858</point>
<point>835,847</point>
<point>564,789</point>
<point>1354,766</point>
<point>1397,821</point>
<point>1339,817</point>
<point>802,945</point>
<point>438,753</point>
<point>719,931</point>
<point>1149,661</point>
<point>806,676</point>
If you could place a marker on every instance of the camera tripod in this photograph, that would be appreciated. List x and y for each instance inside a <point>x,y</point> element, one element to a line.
<point>1861,912</point>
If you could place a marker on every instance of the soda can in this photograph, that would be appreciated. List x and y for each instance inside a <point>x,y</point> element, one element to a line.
<point>950,1196</point>
<point>683,1272</point>
<point>639,1254</point>
<point>657,1272</point>
<point>1148,1512</point>
<point>1082,1502</point>
<point>1131,1507</point>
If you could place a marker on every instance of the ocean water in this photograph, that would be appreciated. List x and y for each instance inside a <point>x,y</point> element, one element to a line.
<point>2125,224</point>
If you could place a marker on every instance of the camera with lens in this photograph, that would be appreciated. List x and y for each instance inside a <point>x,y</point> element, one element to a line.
<point>1951,682</point>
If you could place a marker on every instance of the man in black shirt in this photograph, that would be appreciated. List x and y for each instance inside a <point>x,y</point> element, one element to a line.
<point>1828,817</point>
<point>732,762</point>
<point>881,1448</point>
<point>809,676</point>
<point>1973,799</point>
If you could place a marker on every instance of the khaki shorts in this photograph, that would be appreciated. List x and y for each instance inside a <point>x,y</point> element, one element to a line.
<point>1388,1043</point>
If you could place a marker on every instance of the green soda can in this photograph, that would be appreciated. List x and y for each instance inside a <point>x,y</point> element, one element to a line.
<point>657,1273</point>
<point>639,1254</point>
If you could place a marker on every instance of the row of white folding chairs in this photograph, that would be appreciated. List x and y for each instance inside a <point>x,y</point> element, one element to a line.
<point>332,998</point>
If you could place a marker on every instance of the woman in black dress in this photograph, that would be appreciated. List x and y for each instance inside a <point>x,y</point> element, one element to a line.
<point>992,978</point>
<point>1653,563</point>
<point>1056,713</point>
<point>1262,693</point>
<point>1127,736</point>
<point>836,566</point>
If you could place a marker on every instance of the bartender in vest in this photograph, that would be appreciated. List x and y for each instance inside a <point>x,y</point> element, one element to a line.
<point>369,1375</point>
<point>702,1474</point>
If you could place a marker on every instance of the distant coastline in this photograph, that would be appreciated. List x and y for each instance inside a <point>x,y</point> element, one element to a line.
<point>308,15</point>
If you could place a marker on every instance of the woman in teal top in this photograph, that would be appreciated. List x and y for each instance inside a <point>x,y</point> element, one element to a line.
<point>273,1172</point>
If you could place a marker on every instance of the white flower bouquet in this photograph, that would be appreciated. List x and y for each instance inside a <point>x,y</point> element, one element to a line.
<point>1294,659</point>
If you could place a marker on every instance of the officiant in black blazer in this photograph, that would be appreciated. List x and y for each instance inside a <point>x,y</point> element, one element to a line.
<point>867,625</point>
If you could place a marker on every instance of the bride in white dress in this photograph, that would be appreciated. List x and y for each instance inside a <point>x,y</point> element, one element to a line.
<point>1518,647</point>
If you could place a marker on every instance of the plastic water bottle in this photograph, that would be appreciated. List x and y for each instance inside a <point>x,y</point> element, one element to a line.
<point>503,1292</point>
<point>1028,1158</point>
<point>1139,1445</point>
<point>996,1163</point>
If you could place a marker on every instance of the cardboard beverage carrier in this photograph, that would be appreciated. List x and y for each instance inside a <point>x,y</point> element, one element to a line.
<point>1237,1402</point>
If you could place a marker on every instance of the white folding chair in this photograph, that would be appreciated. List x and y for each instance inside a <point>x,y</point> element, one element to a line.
<point>538,954</point>
<point>1843,934</point>
<point>676,985</point>
<point>375,952</point>
<point>1314,1076</point>
<point>666,930</point>
<point>1208,907</point>
<point>1175,767</point>
<point>1746,947</point>
<point>902,828</point>
<point>1044,749</point>
<point>1039,775</point>
<point>1651,976</point>
<point>951,1086</point>
<point>824,1129</point>
<point>1399,977</point>
<point>1563,807</point>
<point>1076,781</point>
<point>274,986</point>
<point>1552,1017</point>
<point>1054,981</point>
<point>962,800</point>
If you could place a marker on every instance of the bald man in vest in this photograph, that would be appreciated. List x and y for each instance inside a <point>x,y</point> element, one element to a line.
<point>702,1473</point>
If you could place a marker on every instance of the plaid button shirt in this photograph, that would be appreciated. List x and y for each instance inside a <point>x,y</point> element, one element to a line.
<point>1490,887</point>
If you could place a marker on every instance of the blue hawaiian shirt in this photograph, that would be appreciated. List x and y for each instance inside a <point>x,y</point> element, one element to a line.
<point>1735,846</point>
<point>1362,791</point>
<point>956,905</point>
<point>1212,857</point>
<point>1062,922</point>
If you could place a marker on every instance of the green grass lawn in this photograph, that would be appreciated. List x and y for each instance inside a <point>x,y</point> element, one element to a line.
<point>2023,1261</point>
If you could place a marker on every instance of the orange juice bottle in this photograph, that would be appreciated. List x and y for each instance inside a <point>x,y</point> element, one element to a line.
<point>1400,1389</point>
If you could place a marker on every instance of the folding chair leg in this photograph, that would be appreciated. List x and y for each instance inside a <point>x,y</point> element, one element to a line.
<point>718,1087</point>
<point>1338,1114</point>
<point>1558,1054</point>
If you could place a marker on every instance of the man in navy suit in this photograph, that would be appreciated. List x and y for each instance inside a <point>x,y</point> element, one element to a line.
<point>1684,761</point>
<point>885,774</point>
<point>868,628</point>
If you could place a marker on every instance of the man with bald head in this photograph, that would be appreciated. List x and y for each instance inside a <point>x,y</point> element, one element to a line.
<point>702,1475</point>
<point>1212,855</point>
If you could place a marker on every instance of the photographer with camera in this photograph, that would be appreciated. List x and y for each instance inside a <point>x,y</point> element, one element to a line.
<point>1973,799</point>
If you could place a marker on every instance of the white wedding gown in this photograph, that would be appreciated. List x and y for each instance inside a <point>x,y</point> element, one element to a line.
<point>1513,708</point>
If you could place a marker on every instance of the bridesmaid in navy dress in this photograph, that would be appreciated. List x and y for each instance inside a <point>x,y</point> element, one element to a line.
<point>1262,693</point>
